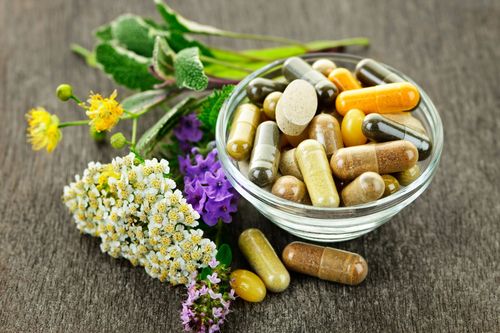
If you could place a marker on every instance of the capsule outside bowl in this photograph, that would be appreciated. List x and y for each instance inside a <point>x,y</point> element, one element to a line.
<point>328,224</point>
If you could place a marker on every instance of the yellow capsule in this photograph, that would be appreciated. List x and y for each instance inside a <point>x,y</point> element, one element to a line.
<point>270,103</point>
<point>351,128</point>
<point>315,169</point>
<point>408,176</point>
<point>343,79</point>
<point>248,285</point>
<point>240,140</point>
<point>386,98</point>
<point>261,256</point>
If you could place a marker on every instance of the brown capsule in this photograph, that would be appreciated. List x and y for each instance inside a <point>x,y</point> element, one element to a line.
<point>289,165</point>
<point>295,140</point>
<point>289,188</point>
<point>325,129</point>
<point>325,263</point>
<point>387,157</point>
<point>391,185</point>
<point>367,187</point>
<point>270,104</point>
<point>406,177</point>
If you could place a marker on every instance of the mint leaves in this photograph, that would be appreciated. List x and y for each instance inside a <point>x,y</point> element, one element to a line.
<point>189,70</point>
<point>211,107</point>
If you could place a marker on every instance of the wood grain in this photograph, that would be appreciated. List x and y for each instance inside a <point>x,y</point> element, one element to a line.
<point>433,268</point>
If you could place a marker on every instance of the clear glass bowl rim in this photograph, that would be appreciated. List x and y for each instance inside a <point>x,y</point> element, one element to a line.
<point>234,175</point>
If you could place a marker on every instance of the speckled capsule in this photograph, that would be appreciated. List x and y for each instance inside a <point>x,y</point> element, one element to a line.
<point>387,98</point>
<point>241,136</point>
<point>325,129</point>
<point>264,261</point>
<point>324,66</point>
<point>289,165</point>
<point>372,73</point>
<point>367,187</point>
<point>289,188</point>
<point>325,263</point>
<point>247,285</point>
<point>259,88</point>
<point>296,68</point>
<point>382,129</point>
<point>391,185</point>
<point>265,154</point>
<point>387,157</point>
<point>343,79</point>
<point>314,167</point>
<point>270,103</point>
<point>408,176</point>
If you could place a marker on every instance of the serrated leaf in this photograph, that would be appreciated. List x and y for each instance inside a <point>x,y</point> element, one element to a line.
<point>156,133</point>
<point>163,59</point>
<point>224,255</point>
<point>211,107</point>
<point>104,33</point>
<point>133,33</point>
<point>125,67</point>
<point>144,100</point>
<point>189,70</point>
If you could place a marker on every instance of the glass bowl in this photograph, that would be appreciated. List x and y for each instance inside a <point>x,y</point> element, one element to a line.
<point>327,224</point>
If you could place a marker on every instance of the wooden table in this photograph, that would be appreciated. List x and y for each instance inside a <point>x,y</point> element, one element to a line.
<point>433,268</point>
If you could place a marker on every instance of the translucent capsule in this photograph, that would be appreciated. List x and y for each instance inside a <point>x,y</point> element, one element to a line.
<point>325,263</point>
<point>387,98</point>
<point>296,68</point>
<point>289,165</point>
<point>270,103</point>
<point>324,66</point>
<point>381,129</point>
<point>259,88</point>
<point>265,154</point>
<point>352,134</point>
<point>343,79</point>
<point>241,136</point>
<point>391,185</point>
<point>317,175</point>
<point>372,73</point>
<point>325,129</point>
<point>367,187</point>
<point>290,188</point>
<point>408,176</point>
<point>261,256</point>
<point>247,285</point>
<point>387,157</point>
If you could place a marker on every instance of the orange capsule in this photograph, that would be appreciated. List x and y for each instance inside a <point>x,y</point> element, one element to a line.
<point>343,79</point>
<point>387,98</point>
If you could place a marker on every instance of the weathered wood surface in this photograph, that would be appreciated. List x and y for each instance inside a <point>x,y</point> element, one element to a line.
<point>433,268</point>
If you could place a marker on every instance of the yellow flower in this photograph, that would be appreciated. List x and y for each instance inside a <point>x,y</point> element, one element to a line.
<point>104,113</point>
<point>43,130</point>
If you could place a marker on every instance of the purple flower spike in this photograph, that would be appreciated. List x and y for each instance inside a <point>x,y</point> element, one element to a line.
<point>218,185</point>
<point>188,129</point>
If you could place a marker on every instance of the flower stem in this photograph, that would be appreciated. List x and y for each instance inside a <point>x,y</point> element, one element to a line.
<point>73,123</point>
<point>76,99</point>
<point>225,64</point>
<point>219,233</point>
<point>87,55</point>
<point>134,131</point>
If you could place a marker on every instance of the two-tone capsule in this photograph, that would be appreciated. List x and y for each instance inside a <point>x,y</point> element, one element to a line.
<point>367,187</point>
<point>259,88</point>
<point>387,98</point>
<point>296,68</point>
<point>261,256</point>
<point>382,129</point>
<point>314,167</point>
<point>241,136</point>
<point>325,263</point>
<point>265,154</point>
<point>325,129</point>
<point>382,158</point>
<point>372,73</point>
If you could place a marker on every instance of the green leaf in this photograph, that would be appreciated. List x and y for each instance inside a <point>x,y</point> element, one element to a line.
<point>206,271</point>
<point>211,107</point>
<point>157,132</point>
<point>189,70</point>
<point>104,33</point>
<point>163,59</point>
<point>224,255</point>
<point>125,67</point>
<point>133,33</point>
<point>178,42</point>
<point>144,100</point>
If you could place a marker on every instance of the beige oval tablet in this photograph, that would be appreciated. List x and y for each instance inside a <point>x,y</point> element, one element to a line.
<point>296,107</point>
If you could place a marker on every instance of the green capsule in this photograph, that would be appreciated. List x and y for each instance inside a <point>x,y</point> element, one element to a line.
<point>408,176</point>
<point>259,88</point>
<point>372,73</point>
<point>391,185</point>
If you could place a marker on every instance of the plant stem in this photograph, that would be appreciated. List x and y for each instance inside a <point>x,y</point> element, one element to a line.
<point>89,56</point>
<point>219,233</point>
<point>134,130</point>
<point>225,64</point>
<point>76,99</point>
<point>265,38</point>
<point>73,123</point>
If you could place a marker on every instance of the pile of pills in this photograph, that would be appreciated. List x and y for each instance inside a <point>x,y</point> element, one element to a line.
<point>329,137</point>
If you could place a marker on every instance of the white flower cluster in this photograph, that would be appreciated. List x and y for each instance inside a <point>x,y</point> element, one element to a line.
<point>136,211</point>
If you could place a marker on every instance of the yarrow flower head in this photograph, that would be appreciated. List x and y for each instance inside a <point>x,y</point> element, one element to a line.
<point>139,215</point>
<point>207,188</point>
<point>43,129</point>
<point>104,113</point>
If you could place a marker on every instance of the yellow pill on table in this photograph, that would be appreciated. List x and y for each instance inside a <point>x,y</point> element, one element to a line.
<point>248,285</point>
<point>240,140</point>
<point>351,128</point>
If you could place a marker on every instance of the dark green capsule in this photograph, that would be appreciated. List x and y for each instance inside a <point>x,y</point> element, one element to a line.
<point>259,88</point>
<point>265,154</point>
<point>372,73</point>
<point>296,68</point>
<point>382,129</point>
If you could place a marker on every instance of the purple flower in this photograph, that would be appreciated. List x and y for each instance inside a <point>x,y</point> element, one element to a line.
<point>213,278</point>
<point>195,194</point>
<point>218,185</point>
<point>220,208</point>
<point>213,263</point>
<point>188,129</point>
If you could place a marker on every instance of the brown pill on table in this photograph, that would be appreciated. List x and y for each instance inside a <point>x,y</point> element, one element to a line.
<point>290,188</point>
<point>325,129</point>
<point>325,263</point>
<point>367,187</point>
